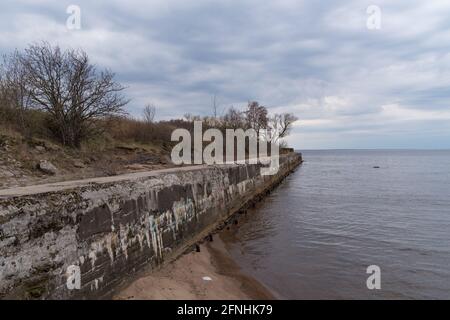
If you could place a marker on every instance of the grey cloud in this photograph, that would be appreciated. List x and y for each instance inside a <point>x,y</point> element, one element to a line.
<point>314,58</point>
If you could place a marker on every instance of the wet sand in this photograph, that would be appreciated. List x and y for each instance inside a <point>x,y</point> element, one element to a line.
<point>210,274</point>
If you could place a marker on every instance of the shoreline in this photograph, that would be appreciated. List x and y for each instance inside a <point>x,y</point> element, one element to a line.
<point>165,213</point>
<point>210,274</point>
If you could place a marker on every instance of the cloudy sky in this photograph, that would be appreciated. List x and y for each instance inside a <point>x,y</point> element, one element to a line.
<point>351,86</point>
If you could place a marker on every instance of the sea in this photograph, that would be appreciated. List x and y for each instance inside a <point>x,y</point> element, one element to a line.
<point>353,224</point>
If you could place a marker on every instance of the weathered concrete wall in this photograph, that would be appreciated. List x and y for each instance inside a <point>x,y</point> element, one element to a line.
<point>113,227</point>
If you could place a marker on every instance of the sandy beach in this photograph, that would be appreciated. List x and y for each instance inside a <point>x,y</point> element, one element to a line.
<point>210,274</point>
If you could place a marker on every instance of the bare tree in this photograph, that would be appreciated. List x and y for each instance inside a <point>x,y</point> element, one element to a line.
<point>214,105</point>
<point>215,119</point>
<point>234,119</point>
<point>191,118</point>
<point>67,86</point>
<point>149,113</point>
<point>256,117</point>
<point>12,87</point>
<point>279,126</point>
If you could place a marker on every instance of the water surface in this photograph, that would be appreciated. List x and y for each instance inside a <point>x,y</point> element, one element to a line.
<point>316,234</point>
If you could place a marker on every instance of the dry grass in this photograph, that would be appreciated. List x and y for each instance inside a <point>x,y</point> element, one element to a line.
<point>129,129</point>
<point>122,145</point>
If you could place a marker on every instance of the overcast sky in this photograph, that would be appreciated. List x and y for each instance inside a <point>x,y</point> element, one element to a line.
<point>350,86</point>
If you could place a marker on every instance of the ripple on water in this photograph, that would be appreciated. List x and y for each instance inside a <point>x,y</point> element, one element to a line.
<point>316,234</point>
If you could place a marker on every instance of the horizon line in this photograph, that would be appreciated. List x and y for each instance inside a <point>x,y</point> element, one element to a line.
<point>375,149</point>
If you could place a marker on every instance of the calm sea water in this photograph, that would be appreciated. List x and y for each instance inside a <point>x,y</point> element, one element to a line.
<point>315,236</point>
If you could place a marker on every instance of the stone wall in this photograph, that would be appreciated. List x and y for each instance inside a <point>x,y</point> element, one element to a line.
<point>110,228</point>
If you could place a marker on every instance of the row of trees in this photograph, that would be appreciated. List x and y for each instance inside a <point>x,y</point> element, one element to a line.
<point>72,98</point>
<point>270,127</point>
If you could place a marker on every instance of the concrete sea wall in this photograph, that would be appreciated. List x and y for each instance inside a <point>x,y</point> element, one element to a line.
<point>98,232</point>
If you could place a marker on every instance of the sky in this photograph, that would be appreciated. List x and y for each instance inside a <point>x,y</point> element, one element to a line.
<point>351,85</point>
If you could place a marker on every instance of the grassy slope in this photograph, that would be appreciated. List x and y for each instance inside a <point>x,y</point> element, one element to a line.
<point>19,158</point>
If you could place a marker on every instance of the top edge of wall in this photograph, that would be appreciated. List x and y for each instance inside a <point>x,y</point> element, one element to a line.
<point>73,184</point>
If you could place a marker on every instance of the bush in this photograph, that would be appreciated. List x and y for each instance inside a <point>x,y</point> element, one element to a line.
<point>129,129</point>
